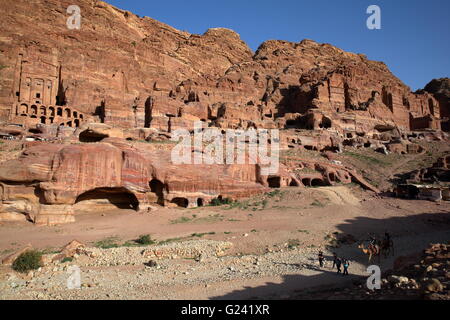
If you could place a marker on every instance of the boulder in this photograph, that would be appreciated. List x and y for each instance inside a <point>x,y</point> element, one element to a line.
<point>9,260</point>
<point>432,286</point>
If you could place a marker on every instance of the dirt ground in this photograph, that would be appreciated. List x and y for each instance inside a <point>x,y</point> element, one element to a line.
<point>275,237</point>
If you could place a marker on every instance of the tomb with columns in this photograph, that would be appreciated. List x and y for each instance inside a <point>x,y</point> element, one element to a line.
<point>38,98</point>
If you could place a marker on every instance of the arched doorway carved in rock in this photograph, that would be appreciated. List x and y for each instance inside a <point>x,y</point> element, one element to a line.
<point>107,198</point>
<point>181,202</point>
<point>157,187</point>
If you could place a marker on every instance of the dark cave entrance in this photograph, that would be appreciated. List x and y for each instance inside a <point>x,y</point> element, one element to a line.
<point>157,187</point>
<point>274,182</point>
<point>317,183</point>
<point>88,136</point>
<point>181,202</point>
<point>120,198</point>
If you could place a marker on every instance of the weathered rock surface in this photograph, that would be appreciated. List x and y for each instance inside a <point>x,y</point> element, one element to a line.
<point>136,72</point>
<point>9,260</point>
<point>79,97</point>
<point>49,180</point>
<point>440,88</point>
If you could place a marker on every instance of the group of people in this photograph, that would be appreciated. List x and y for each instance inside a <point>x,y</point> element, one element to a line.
<point>386,240</point>
<point>341,264</point>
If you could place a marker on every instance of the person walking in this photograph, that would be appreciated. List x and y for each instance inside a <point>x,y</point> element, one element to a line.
<point>346,265</point>
<point>338,265</point>
<point>335,257</point>
<point>321,259</point>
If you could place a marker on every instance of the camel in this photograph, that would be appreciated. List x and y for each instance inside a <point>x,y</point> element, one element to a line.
<point>387,246</point>
<point>371,251</point>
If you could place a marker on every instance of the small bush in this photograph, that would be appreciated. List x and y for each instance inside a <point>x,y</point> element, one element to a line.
<point>293,243</point>
<point>67,259</point>
<point>145,240</point>
<point>264,203</point>
<point>317,203</point>
<point>27,261</point>
<point>201,235</point>
<point>220,202</point>
<point>181,220</point>
<point>274,193</point>
<point>107,243</point>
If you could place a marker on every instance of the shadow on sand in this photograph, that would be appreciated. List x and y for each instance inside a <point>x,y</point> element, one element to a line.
<point>412,233</point>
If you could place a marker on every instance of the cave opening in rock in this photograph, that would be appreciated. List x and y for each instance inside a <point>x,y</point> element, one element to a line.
<point>200,202</point>
<point>274,182</point>
<point>292,124</point>
<point>35,130</point>
<point>293,183</point>
<point>326,123</point>
<point>157,187</point>
<point>89,136</point>
<point>107,198</point>
<point>332,177</point>
<point>306,182</point>
<point>317,183</point>
<point>181,202</point>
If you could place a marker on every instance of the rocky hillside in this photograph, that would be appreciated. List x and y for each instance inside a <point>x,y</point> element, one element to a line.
<point>137,72</point>
<point>422,276</point>
<point>440,88</point>
<point>115,56</point>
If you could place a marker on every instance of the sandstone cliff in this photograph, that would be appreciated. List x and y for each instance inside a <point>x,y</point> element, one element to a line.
<point>123,77</point>
<point>440,88</point>
<point>137,72</point>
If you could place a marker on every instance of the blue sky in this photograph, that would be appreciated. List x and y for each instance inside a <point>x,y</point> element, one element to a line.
<point>413,42</point>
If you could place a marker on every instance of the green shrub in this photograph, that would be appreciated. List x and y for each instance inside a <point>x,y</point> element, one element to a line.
<point>274,193</point>
<point>293,243</point>
<point>145,240</point>
<point>67,259</point>
<point>220,202</point>
<point>181,220</point>
<point>317,203</point>
<point>27,261</point>
<point>107,243</point>
<point>201,235</point>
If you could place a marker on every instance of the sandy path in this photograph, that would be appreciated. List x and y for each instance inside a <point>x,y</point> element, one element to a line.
<point>414,224</point>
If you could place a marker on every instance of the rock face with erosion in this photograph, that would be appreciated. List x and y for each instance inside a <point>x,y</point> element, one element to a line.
<point>80,100</point>
<point>49,182</point>
<point>136,72</point>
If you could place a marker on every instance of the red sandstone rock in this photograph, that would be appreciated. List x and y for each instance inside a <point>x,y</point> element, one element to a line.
<point>440,88</point>
<point>52,178</point>
<point>12,257</point>
<point>125,77</point>
<point>136,72</point>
